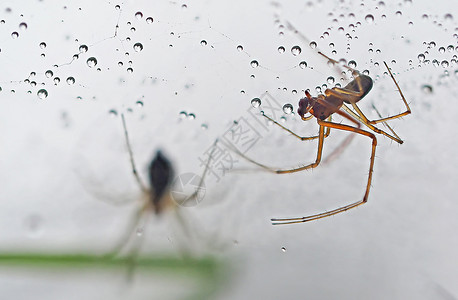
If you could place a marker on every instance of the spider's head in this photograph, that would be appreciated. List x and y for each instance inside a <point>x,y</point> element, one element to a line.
<point>305,104</point>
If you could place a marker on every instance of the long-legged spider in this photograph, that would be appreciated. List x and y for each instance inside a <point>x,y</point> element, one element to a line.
<point>335,100</point>
<point>157,197</point>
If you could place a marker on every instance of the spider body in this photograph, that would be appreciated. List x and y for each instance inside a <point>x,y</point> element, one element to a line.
<point>325,105</point>
<point>160,178</point>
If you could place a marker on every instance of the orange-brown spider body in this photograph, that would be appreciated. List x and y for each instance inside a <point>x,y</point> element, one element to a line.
<point>325,105</point>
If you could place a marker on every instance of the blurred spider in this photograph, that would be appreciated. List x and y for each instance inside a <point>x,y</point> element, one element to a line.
<point>322,107</point>
<point>157,197</point>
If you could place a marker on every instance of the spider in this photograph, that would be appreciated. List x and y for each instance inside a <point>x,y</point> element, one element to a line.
<point>322,107</point>
<point>158,196</point>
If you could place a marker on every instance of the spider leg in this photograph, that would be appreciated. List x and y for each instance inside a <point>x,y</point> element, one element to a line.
<point>385,123</point>
<point>403,99</point>
<point>302,138</point>
<point>321,137</point>
<point>134,255</point>
<point>281,221</point>
<point>131,156</point>
<point>198,189</point>
<point>344,144</point>
<point>336,64</point>
<point>361,117</point>
<point>128,233</point>
<point>306,41</point>
<point>368,123</point>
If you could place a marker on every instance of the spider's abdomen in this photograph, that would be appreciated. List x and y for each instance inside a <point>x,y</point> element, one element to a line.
<point>160,178</point>
<point>365,85</point>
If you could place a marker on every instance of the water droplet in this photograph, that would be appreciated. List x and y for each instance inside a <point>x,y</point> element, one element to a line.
<point>139,103</point>
<point>183,114</point>
<point>139,15</point>
<point>203,42</point>
<point>448,17</point>
<point>427,89</point>
<point>204,126</point>
<point>398,13</point>
<point>49,73</point>
<point>330,80</point>
<point>42,45</point>
<point>14,35</point>
<point>287,108</point>
<point>312,45</point>
<point>281,49</point>
<point>303,65</point>
<point>117,7</point>
<point>441,50</point>
<point>421,57</point>
<point>450,48</point>
<point>113,113</point>
<point>130,70</point>
<point>352,64</point>
<point>366,72</point>
<point>254,63</point>
<point>296,50</point>
<point>191,116</point>
<point>138,47</point>
<point>369,18</point>
<point>256,102</point>
<point>444,64</point>
<point>139,231</point>
<point>91,62</point>
<point>283,249</point>
<point>70,80</point>
<point>435,63</point>
<point>149,20</point>
<point>42,94</point>
<point>83,49</point>
<point>240,47</point>
<point>23,26</point>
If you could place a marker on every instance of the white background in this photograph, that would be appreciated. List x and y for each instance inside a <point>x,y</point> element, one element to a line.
<point>63,163</point>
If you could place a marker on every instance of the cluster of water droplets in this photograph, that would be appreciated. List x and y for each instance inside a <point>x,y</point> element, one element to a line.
<point>187,116</point>
<point>91,61</point>
<point>443,56</point>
